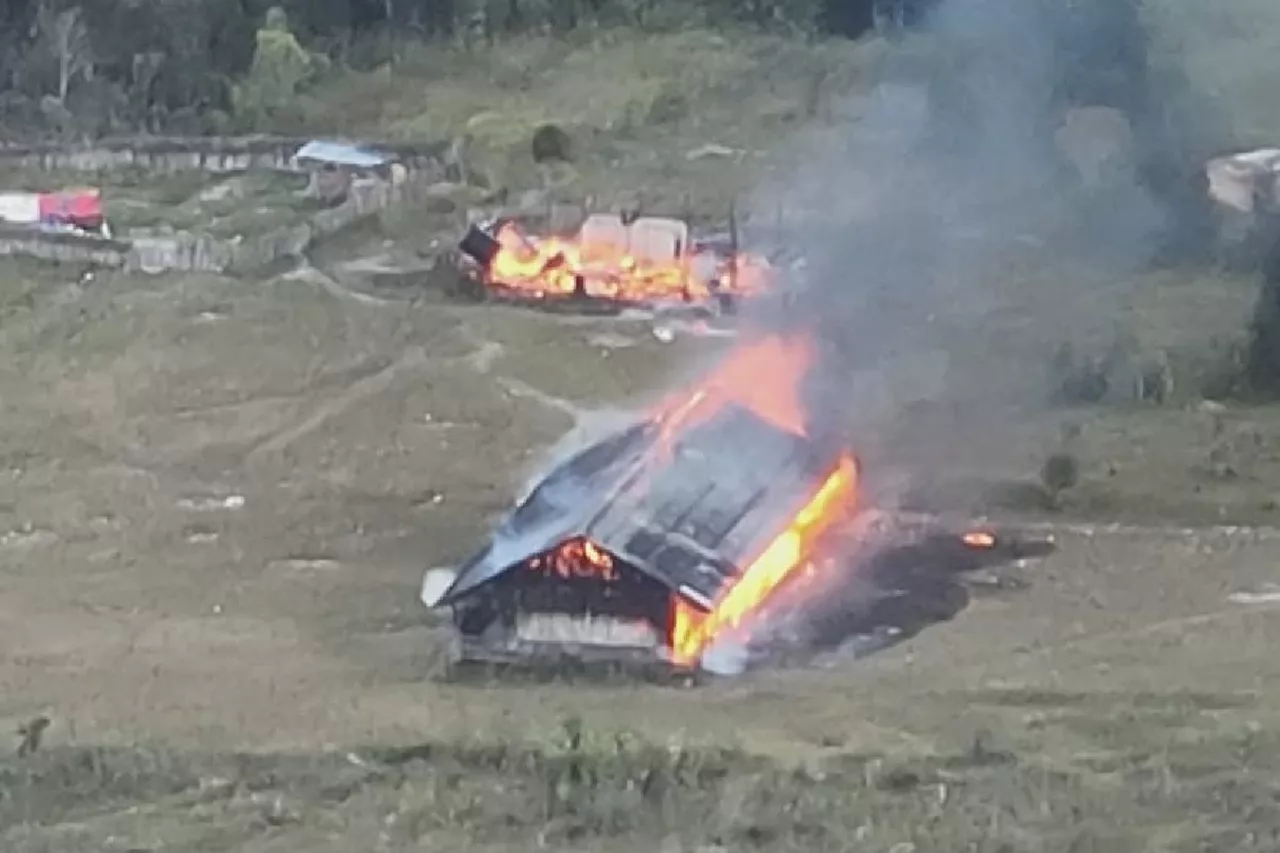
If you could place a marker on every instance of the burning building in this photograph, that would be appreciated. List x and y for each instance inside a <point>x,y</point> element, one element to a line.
<point>661,537</point>
<point>669,537</point>
<point>610,263</point>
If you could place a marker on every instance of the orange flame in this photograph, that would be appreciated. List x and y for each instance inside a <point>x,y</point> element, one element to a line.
<point>766,376</point>
<point>578,558</point>
<point>556,266</point>
<point>983,540</point>
<point>692,632</point>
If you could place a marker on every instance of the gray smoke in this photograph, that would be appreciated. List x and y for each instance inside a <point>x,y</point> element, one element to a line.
<point>944,184</point>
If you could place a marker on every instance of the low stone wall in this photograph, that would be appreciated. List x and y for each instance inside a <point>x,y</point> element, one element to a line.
<point>63,248</point>
<point>204,253</point>
<point>166,155</point>
<point>187,252</point>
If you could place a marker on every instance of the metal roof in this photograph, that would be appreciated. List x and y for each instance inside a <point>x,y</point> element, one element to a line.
<point>342,154</point>
<point>688,512</point>
<point>727,489</point>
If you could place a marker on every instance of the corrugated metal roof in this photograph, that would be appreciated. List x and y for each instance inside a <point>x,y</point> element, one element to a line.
<point>689,514</point>
<point>342,154</point>
<point>696,521</point>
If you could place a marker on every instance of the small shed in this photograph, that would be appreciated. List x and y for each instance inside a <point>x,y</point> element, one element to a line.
<point>334,165</point>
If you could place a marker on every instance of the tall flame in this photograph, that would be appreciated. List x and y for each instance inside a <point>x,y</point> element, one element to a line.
<point>693,631</point>
<point>767,377</point>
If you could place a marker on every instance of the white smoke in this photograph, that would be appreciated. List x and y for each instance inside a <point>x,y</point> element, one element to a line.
<point>944,173</point>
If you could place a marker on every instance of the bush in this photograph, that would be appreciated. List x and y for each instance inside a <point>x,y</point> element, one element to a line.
<point>1060,472</point>
<point>281,67</point>
<point>551,144</point>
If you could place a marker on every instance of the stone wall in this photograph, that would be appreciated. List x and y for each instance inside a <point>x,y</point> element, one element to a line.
<point>63,248</point>
<point>204,253</point>
<point>166,155</point>
<point>190,252</point>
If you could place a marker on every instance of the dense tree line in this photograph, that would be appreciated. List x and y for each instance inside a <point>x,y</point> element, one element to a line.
<point>144,62</point>
<point>178,65</point>
<point>161,63</point>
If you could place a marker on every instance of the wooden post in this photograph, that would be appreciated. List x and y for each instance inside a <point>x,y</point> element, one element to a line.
<point>733,245</point>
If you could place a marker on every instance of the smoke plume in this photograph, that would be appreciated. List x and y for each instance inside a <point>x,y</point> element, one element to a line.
<point>948,240</point>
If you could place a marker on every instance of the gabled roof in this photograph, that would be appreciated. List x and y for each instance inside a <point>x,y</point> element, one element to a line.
<point>689,511</point>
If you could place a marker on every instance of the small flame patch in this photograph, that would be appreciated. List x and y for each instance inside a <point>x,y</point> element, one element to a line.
<point>577,558</point>
<point>981,540</point>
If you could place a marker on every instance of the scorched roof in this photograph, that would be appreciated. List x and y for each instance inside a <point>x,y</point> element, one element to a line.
<point>688,510</point>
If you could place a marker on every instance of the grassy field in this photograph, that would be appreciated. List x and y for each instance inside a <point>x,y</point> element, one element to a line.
<point>636,105</point>
<point>1155,774</point>
<point>217,497</point>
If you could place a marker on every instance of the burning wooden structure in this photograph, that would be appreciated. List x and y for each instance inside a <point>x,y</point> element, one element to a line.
<point>610,264</point>
<point>670,537</point>
<point>636,545</point>
<point>659,538</point>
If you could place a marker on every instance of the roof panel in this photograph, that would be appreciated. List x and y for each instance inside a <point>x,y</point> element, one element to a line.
<point>698,510</point>
<point>342,154</point>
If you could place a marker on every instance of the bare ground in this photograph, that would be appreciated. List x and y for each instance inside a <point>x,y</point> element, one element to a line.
<point>217,499</point>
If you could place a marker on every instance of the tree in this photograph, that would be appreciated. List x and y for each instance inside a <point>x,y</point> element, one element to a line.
<point>144,70</point>
<point>66,38</point>
<point>281,66</point>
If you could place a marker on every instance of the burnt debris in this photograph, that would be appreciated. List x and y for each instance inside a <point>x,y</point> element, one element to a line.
<point>895,584</point>
<point>480,243</point>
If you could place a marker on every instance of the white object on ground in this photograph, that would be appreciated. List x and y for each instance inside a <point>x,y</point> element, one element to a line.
<point>1271,595</point>
<point>435,583</point>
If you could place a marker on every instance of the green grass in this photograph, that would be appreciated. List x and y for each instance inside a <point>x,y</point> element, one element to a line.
<point>1223,53</point>
<point>635,103</point>
<point>1145,773</point>
<point>623,95</point>
<point>259,201</point>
